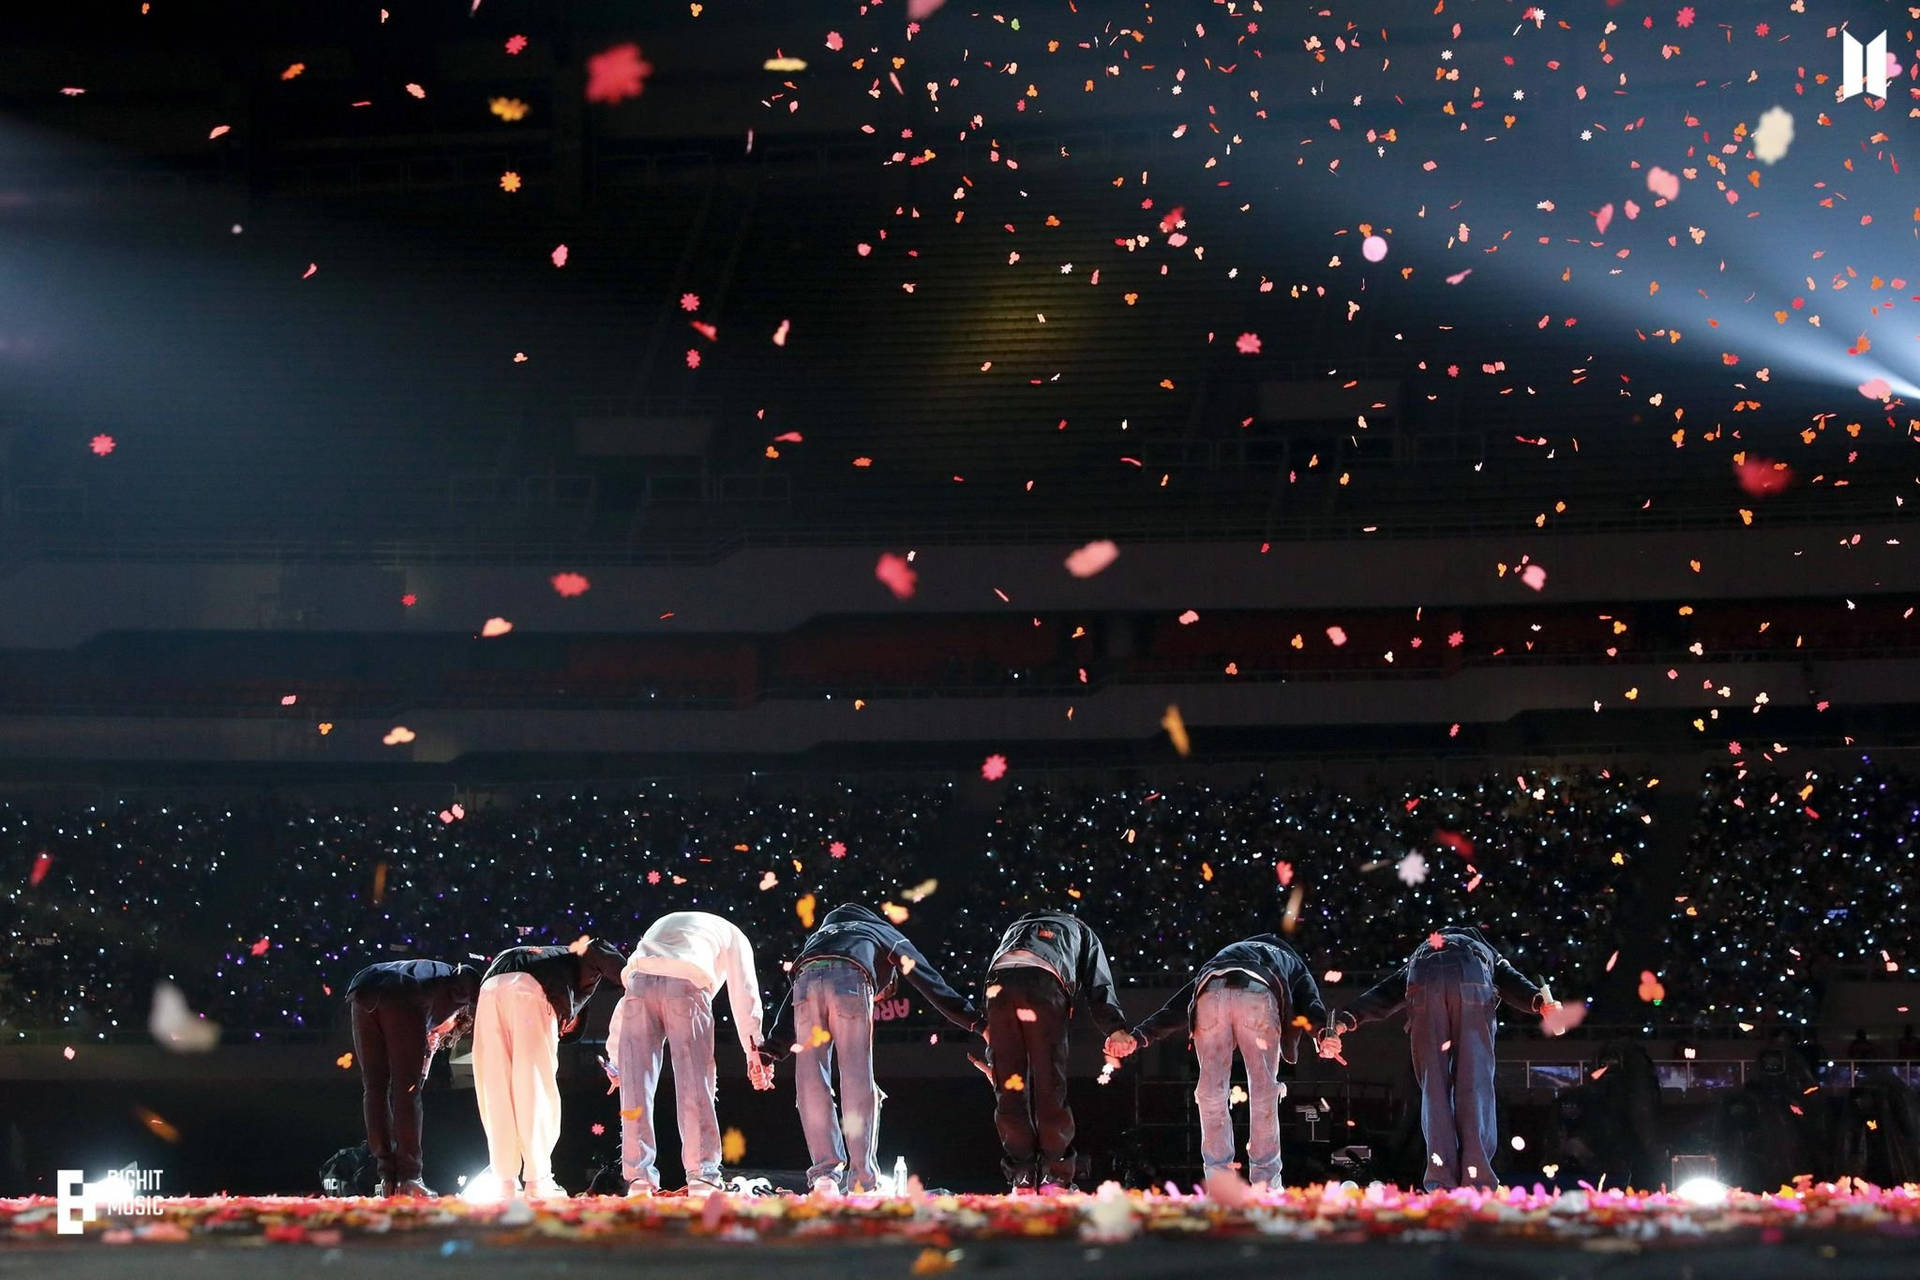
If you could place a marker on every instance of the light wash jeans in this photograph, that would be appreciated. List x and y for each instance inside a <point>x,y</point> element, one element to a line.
<point>1450,1008</point>
<point>660,1012</point>
<point>837,996</point>
<point>1246,1018</point>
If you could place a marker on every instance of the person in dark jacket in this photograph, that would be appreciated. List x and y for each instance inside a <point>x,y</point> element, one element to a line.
<point>403,1011</point>
<point>531,1000</point>
<point>1450,987</point>
<point>1045,961</point>
<point>1258,995</point>
<point>852,959</point>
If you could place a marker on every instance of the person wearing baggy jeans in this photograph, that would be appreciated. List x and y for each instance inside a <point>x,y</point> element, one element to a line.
<point>671,979</point>
<point>853,958</point>
<point>1450,988</point>
<point>1253,996</point>
<point>517,1030</point>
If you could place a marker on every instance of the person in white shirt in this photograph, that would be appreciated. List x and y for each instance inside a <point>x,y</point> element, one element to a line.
<point>671,979</point>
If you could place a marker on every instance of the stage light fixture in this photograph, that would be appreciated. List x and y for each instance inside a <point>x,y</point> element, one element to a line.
<point>1705,1192</point>
<point>483,1187</point>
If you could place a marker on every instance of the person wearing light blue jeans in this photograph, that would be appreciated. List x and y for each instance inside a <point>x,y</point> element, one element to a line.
<point>855,957</point>
<point>684,960</point>
<point>1246,1018</point>
<point>658,1014</point>
<point>835,996</point>
<point>1255,996</point>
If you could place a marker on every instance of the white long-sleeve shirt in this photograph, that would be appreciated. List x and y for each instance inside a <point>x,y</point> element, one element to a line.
<point>709,952</point>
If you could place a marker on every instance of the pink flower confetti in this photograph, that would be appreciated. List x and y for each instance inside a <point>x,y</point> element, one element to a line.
<point>1875,389</point>
<point>653,877</point>
<point>260,948</point>
<point>1188,618</point>
<point>689,302</point>
<point>693,357</point>
<point>409,600</point>
<point>1092,558</point>
<point>897,574</point>
<point>495,627</point>
<point>780,334</point>
<point>1373,248</point>
<point>1247,344</point>
<point>1603,219</point>
<point>102,445</point>
<point>559,255</point>
<point>1684,18</point>
<point>398,735</point>
<point>837,849</point>
<point>570,584</point>
<point>218,130</point>
<point>1663,184</point>
<point>1338,635</point>
<point>993,768</point>
<point>1534,576</point>
<point>516,44</point>
<point>617,74</point>
<point>834,42</point>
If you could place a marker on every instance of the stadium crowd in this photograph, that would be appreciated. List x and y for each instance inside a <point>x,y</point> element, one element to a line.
<point>260,914</point>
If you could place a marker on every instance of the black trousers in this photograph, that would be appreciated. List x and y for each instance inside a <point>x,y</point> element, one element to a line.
<point>1028,1013</point>
<point>390,1041</point>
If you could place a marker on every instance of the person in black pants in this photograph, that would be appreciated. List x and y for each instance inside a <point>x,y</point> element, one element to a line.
<point>1044,962</point>
<point>403,1010</point>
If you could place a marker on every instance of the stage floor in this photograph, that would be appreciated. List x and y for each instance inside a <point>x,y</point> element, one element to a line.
<point>1339,1233</point>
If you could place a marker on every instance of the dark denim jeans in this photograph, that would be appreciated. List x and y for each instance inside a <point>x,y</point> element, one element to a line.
<point>1028,1013</point>
<point>1450,1006</point>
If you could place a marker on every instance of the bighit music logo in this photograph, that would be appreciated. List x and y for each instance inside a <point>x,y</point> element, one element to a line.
<point>129,1192</point>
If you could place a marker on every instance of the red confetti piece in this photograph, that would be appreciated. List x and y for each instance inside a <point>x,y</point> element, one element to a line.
<point>897,574</point>
<point>617,74</point>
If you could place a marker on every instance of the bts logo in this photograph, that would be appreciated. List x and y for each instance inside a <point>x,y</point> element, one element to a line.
<point>1863,67</point>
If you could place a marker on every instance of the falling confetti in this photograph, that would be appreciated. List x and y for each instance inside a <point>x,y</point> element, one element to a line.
<point>616,74</point>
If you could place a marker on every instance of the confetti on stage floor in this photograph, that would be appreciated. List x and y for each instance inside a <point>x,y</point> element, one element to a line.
<point>1334,1214</point>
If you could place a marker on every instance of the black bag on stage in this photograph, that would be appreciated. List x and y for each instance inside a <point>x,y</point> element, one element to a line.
<point>350,1171</point>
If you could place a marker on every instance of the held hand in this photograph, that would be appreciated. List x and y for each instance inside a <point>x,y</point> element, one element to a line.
<point>1556,1019</point>
<point>760,1072</point>
<point>1121,1044</point>
<point>1329,1045</point>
